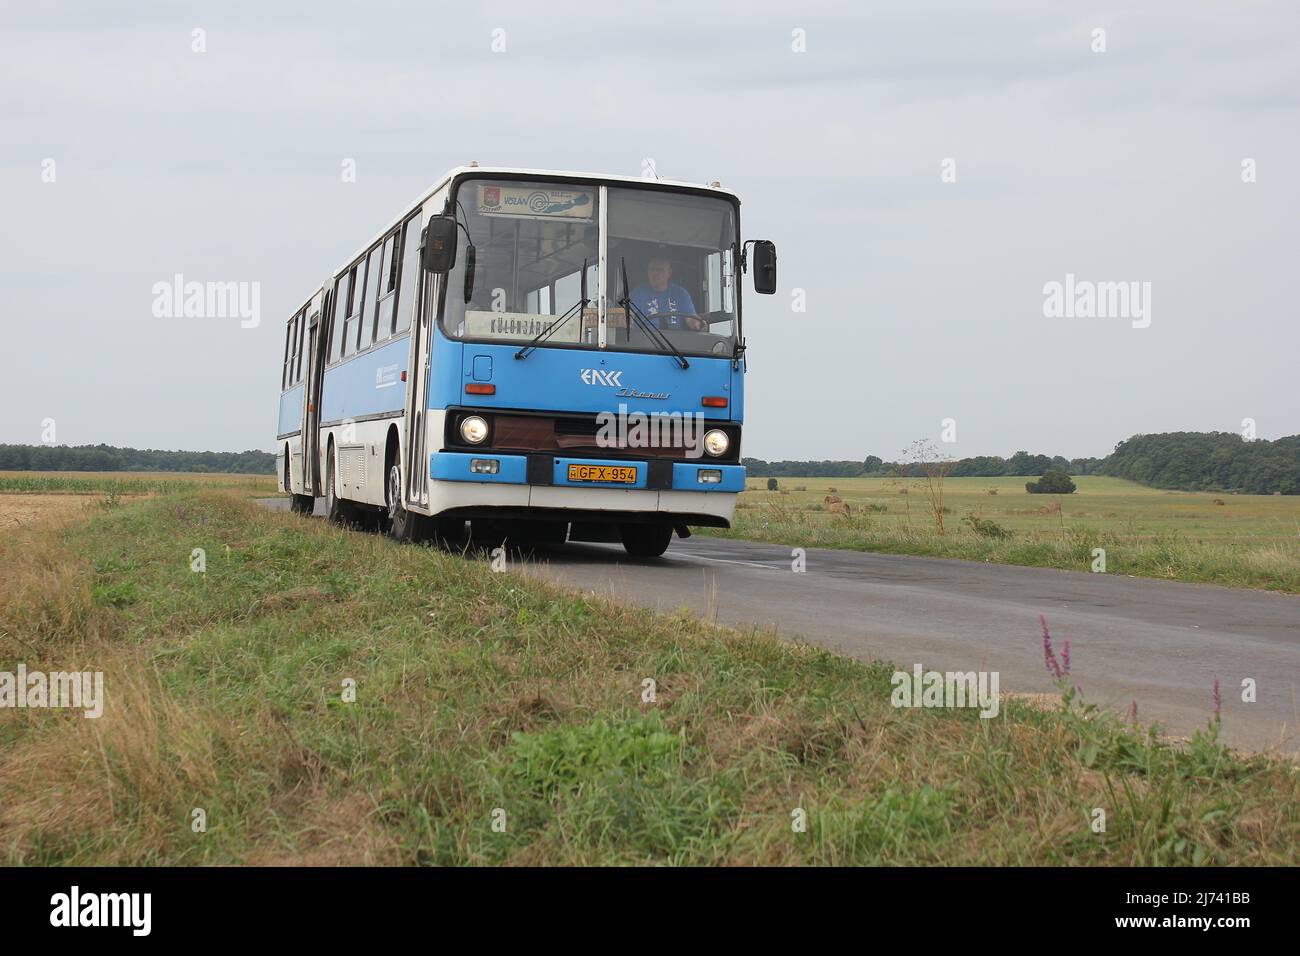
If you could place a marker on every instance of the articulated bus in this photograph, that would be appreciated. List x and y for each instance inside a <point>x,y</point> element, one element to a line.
<point>539,356</point>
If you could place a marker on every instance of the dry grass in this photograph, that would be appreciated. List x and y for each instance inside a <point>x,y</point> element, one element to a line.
<point>19,510</point>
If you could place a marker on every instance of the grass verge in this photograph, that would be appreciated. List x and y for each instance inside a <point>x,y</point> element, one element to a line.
<point>487,699</point>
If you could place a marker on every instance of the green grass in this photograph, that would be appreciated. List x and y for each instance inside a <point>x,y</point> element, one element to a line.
<point>127,483</point>
<point>487,698</point>
<point>1243,541</point>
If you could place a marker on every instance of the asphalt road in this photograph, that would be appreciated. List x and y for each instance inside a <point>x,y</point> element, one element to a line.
<point>1158,643</point>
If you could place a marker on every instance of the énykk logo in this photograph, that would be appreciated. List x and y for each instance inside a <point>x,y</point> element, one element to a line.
<point>600,376</point>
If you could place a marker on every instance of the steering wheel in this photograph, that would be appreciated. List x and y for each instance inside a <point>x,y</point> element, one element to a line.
<point>694,322</point>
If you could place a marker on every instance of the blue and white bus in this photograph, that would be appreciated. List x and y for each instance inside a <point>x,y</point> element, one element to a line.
<point>547,356</point>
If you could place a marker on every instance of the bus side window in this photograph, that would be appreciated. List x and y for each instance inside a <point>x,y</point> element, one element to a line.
<point>410,273</point>
<point>372,298</point>
<point>293,349</point>
<point>712,281</point>
<point>387,286</point>
<point>340,316</point>
<point>288,343</point>
<point>351,330</point>
<point>302,337</point>
<point>719,289</point>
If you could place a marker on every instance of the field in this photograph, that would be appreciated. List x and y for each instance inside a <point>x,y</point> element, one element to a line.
<point>27,497</point>
<point>496,719</point>
<point>1240,540</point>
<point>127,482</point>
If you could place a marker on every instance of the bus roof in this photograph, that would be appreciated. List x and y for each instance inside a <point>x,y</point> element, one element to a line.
<point>519,171</point>
<point>569,174</point>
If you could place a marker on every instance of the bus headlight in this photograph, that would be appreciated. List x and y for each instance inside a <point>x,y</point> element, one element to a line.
<point>475,430</point>
<point>716,442</point>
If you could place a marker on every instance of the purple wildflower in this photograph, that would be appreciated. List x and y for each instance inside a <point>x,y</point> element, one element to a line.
<point>1049,656</point>
<point>1133,711</point>
<point>1065,658</point>
<point>1218,700</point>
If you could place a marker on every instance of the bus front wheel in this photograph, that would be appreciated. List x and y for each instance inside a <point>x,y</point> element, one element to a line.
<point>402,524</point>
<point>646,540</point>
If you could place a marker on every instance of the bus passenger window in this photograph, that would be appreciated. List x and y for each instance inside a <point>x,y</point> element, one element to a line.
<point>372,299</point>
<point>387,285</point>
<point>339,330</point>
<point>288,343</point>
<point>302,337</point>
<point>410,272</point>
<point>295,325</point>
<point>352,330</point>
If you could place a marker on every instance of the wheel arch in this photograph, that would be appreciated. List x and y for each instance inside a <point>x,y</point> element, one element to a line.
<point>392,446</point>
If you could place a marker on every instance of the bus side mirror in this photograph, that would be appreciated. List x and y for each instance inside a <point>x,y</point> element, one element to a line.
<point>439,251</point>
<point>764,267</point>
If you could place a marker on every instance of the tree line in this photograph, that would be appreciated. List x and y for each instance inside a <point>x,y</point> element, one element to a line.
<point>1179,461</point>
<point>1209,461</point>
<point>109,458</point>
<point>984,466</point>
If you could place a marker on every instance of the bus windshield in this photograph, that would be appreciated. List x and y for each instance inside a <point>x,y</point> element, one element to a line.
<point>532,240</point>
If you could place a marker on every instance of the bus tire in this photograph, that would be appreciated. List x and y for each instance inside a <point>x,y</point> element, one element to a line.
<point>337,510</point>
<point>646,540</point>
<point>402,525</point>
<point>302,504</point>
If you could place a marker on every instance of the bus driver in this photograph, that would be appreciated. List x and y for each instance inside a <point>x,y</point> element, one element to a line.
<point>660,295</point>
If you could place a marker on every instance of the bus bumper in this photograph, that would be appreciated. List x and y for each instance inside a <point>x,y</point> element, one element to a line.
<point>553,472</point>
<point>541,482</point>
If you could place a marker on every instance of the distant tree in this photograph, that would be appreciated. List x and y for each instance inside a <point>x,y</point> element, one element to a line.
<point>1208,461</point>
<point>982,466</point>
<point>872,465</point>
<point>1053,482</point>
<point>1023,463</point>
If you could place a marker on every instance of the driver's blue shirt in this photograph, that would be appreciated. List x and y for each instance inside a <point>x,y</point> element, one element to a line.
<point>672,299</point>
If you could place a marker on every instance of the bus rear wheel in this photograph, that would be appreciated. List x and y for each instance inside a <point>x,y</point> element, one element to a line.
<point>302,504</point>
<point>646,540</point>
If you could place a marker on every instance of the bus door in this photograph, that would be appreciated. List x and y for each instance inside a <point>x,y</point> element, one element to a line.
<point>311,484</point>
<point>417,389</point>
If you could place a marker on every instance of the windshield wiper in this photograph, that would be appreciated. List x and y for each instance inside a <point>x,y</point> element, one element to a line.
<point>651,330</point>
<point>551,329</point>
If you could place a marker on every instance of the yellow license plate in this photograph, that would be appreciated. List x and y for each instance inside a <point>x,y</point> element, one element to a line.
<point>608,474</point>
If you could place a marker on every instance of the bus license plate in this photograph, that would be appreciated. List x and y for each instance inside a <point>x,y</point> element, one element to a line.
<point>606,474</point>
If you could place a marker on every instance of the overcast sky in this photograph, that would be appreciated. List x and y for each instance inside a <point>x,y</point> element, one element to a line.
<point>924,297</point>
